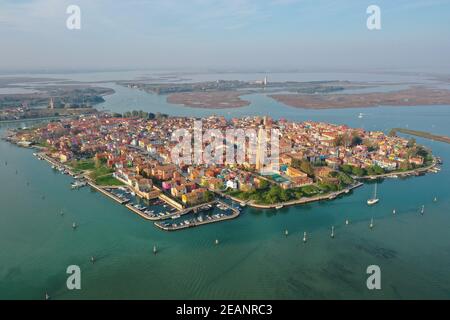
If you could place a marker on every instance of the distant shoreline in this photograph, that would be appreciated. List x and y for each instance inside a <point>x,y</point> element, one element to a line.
<point>37,119</point>
<point>415,96</point>
<point>423,134</point>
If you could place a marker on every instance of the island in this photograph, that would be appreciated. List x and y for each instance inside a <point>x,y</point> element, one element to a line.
<point>209,100</point>
<point>421,134</point>
<point>129,159</point>
<point>414,96</point>
<point>24,98</point>
<point>225,94</point>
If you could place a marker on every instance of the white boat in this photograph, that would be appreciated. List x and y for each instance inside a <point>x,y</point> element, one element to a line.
<point>373,200</point>
<point>360,116</point>
<point>286,233</point>
<point>304,237</point>
<point>371,224</point>
<point>347,222</point>
<point>279,207</point>
<point>78,184</point>
<point>394,211</point>
<point>422,211</point>
<point>332,232</point>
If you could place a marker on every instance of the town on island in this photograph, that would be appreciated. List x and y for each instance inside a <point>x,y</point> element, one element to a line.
<point>128,157</point>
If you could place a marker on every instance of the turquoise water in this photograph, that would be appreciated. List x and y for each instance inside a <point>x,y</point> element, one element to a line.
<point>254,259</point>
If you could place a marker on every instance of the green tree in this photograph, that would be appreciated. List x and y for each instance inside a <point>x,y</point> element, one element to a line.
<point>347,168</point>
<point>209,196</point>
<point>359,172</point>
<point>339,141</point>
<point>304,166</point>
<point>356,140</point>
<point>264,184</point>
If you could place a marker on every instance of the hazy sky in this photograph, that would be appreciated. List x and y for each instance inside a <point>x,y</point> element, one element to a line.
<point>237,34</point>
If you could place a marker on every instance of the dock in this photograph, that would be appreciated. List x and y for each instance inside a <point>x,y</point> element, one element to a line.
<point>196,223</point>
<point>106,193</point>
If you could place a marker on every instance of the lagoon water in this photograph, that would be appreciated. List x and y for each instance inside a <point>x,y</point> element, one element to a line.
<point>254,259</point>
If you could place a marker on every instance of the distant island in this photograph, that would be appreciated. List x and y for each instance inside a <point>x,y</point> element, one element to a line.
<point>414,96</point>
<point>21,113</point>
<point>31,92</point>
<point>209,100</point>
<point>225,94</point>
<point>421,134</point>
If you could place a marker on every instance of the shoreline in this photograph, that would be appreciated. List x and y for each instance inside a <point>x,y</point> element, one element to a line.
<point>235,212</point>
<point>423,134</point>
<point>38,119</point>
<point>332,195</point>
<point>304,200</point>
<point>101,189</point>
<point>414,96</point>
<point>400,173</point>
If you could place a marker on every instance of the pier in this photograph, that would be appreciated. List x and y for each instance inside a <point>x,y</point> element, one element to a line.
<point>195,223</point>
<point>107,193</point>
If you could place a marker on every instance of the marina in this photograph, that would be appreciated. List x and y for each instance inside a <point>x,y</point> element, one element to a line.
<point>204,215</point>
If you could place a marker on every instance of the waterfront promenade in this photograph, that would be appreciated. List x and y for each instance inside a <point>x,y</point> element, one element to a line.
<point>304,200</point>
<point>399,173</point>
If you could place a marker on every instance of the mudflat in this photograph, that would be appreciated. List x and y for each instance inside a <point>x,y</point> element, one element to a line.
<point>408,97</point>
<point>209,100</point>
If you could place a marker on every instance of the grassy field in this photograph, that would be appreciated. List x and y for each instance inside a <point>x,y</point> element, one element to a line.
<point>98,172</point>
<point>82,165</point>
<point>108,180</point>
